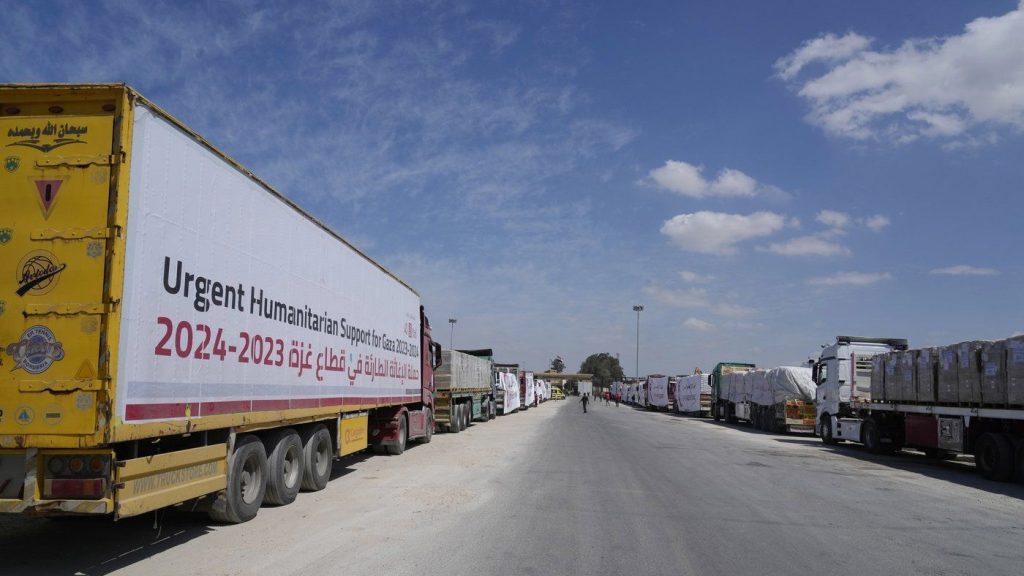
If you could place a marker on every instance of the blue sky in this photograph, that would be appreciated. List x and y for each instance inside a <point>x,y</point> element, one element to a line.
<point>761,176</point>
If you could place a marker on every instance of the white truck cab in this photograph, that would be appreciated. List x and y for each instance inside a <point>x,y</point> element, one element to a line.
<point>843,374</point>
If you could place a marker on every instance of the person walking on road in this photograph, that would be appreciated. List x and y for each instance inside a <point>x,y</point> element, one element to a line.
<point>617,398</point>
<point>584,402</point>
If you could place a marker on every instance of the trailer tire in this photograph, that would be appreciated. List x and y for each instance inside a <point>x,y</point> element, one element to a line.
<point>993,456</point>
<point>826,431</point>
<point>716,412</point>
<point>317,458</point>
<point>468,407</point>
<point>455,419</point>
<point>247,483</point>
<point>773,422</point>
<point>403,437</point>
<point>284,468</point>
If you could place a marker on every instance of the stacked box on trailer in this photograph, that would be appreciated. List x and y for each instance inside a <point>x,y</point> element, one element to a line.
<point>177,328</point>
<point>964,398</point>
<point>462,389</point>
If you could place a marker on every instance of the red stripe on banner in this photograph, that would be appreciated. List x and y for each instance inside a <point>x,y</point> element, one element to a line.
<point>225,407</point>
<point>269,405</point>
<point>177,410</point>
<point>154,411</point>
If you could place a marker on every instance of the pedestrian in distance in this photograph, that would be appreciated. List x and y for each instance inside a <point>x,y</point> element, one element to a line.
<point>584,402</point>
<point>617,398</point>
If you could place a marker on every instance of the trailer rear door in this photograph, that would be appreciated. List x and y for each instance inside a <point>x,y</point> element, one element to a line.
<point>57,153</point>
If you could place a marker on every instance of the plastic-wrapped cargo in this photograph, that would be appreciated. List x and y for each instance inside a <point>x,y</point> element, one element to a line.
<point>924,374</point>
<point>993,373</point>
<point>947,392</point>
<point>969,372</point>
<point>878,377</point>
<point>748,386</point>
<point>689,389</point>
<point>1015,371</point>
<point>760,392</point>
<point>657,391</point>
<point>790,383</point>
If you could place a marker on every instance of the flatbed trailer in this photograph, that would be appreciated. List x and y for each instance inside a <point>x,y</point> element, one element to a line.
<point>880,393</point>
<point>177,328</point>
<point>463,391</point>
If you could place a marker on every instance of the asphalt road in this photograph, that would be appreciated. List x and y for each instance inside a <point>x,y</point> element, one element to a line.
<point>556,491</point>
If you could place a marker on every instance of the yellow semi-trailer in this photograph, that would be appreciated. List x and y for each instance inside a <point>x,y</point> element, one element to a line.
<point>171,327</point>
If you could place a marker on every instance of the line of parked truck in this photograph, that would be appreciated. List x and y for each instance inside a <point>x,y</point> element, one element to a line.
<point>965,398</point>
<point>172,328</point>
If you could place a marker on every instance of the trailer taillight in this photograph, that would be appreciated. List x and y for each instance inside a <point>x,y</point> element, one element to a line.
<point>76,476</point>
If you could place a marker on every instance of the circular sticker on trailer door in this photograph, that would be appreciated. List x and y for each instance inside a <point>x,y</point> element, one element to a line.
<point>36,351</point>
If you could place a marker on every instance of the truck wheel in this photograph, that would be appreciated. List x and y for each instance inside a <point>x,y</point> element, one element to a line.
<point>469,414</point>
<point>455,419</point>
<point>772,424</point>
<point>716,412</point>
<point>826,431</point>
<point>871,436</point>
<point>993,455</point>
<point>428,434</point>
<point>403,438</point>
<point>317,457</point>
<point>284,468</point>
<point>247,483</point>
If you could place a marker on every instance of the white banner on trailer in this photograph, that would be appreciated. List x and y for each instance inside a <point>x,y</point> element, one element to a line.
<point>510,384</point>
<point>236,302</point>
<point>531,390</point>
<point>657,391</point>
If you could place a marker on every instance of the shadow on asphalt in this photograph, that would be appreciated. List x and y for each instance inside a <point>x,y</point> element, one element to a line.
<point>95,546</point>
<point>960,471</point>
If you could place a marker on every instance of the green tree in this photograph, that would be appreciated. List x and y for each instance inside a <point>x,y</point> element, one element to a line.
<point>604,367</point>
<point>557,365</point>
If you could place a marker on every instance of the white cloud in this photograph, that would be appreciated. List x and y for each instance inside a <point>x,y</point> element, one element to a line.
<point>808,246</point>
<point>828,48</point>
<point>851,279</point>
<point>833,218</point>
<point>689,298</point>
<point>687,179</point>
<point>719,233</point>
<point>695,298</point>
<point>731,310</point>
<point>877,222</point>
<point>698,324</point>
<point>943,88</point>
<point>965,270</point>
<point>695,278</point>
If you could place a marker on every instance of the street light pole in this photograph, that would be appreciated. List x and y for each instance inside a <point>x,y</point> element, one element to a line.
<point>638,309</point>
<point>451,339</point>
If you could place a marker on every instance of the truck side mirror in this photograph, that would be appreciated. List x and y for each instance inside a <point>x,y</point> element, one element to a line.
<point>435,349</point>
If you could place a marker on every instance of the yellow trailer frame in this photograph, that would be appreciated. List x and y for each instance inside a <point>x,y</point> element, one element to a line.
<point>64,185</point>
